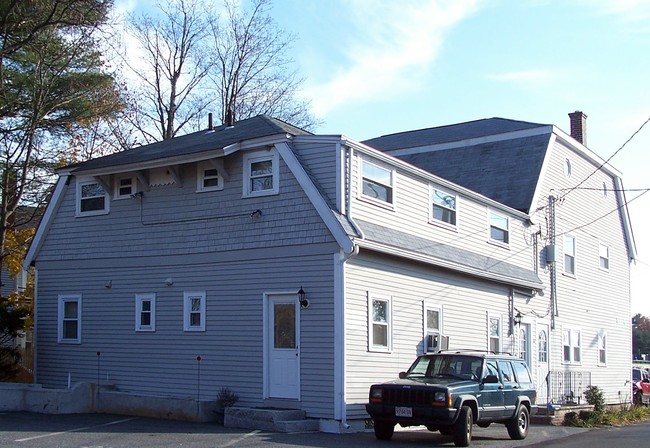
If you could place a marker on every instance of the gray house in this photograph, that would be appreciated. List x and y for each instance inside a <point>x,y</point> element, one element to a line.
<point>297,269</point>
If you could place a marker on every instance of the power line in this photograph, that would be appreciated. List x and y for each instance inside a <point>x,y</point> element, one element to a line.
<point>610,158</point>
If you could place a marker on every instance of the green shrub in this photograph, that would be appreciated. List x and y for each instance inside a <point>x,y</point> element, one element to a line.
<point>595,397</point>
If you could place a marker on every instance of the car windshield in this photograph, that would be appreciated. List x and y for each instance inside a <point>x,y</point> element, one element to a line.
<point>636,374</point>
<point>453,366</point>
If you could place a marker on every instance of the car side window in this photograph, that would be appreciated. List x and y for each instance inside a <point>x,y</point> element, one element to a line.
<point>491,369</point>
<point>522,373</point>
<point>506,371</point>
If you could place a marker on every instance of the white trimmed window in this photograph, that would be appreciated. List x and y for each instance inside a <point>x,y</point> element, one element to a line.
<point>261,173</point>
<point>603,252</point>
<point>379,320</point>
<point>91,199</point>
<point>145,312</point>
<point>443,207</point>
<point>208,178</point>
<point>194,311</point>
<point>569,254</point>
<point>125,187</point>
<point>571,346</point>
<point>494,334</point>
<point>499,228</point>
<point>70,319</point>
<point>542,347</point>
<point>377,181</point>
<point>432,329</point>
<point>602,347</point>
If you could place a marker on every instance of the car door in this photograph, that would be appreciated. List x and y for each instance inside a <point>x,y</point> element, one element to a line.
<point>510,387</point>
<point>490,397</point>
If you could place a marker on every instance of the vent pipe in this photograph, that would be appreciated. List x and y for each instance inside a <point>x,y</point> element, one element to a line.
<point>210,121</point>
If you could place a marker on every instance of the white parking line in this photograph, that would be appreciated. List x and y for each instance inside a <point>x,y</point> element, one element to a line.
<point>244,437</point>
<point>52,434</point>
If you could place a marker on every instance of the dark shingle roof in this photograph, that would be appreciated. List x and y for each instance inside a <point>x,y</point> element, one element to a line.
<point>506,170</point>
<point>453,256</point>
<point>197,142</point>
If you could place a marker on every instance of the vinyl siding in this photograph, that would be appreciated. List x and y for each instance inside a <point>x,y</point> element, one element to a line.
<point>594,299</point>
<point>164,362</point>
<point>320,159</point>
<point>169,220</point>
<point>410,213</point>
<point>465,302</point>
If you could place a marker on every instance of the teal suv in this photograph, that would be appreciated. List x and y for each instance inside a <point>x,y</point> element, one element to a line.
<point>451,391</point>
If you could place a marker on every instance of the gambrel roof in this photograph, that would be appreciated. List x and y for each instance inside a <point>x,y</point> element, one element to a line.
<point>477,155</point>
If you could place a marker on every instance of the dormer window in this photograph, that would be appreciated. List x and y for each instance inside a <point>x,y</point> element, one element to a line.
<point>443,207</point>
<point>499,228</point>
<point>261,173</point>
<point>125,187</point>
<point>378,182</point>
<point>91,199</point>
<point>208,178</point>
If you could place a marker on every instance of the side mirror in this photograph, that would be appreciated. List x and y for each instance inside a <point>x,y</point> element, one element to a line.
<point>402,375</point>
<point>490,379</point>
<point>645,380</point>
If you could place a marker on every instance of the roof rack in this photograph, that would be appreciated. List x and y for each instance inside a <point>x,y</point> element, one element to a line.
<point>465,350</point>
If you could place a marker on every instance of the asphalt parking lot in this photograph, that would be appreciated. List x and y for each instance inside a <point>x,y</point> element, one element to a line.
<point>22,429</point>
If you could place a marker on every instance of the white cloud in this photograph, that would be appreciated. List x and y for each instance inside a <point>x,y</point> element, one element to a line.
<point>626,10</point>
<point>394,43</point>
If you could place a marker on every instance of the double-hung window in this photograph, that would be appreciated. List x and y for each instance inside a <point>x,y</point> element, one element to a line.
<point>603,252</point>
<point>433,329</point>
<point>378,182</point>
<point>379,320</point>
<point>145,312</point>
<point>261,173</point>
<point>494,334</point>
<point>571,346</point>
<point>208,178</point>
<point>569,255</point>
<point>91,199</point>
<point>443,207</point>
<point>602,347</point>
<point>70,319</point>
<point>194,311</point>
<point>499,228</point>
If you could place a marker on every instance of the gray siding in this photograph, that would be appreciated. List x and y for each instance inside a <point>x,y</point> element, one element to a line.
<point>164,362</point>
<point>320,159</point>
<point>169,220</point>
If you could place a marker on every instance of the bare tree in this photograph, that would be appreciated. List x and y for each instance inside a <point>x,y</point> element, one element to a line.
<point>251,68</point>
<point>173,68</point>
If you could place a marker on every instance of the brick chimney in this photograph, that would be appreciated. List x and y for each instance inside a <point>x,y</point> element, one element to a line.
<point>579,126</point>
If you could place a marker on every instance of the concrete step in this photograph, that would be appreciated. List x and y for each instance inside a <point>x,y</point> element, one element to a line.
<point>275,420</point>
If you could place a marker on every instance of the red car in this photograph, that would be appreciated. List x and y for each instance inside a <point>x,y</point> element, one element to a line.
<point>640,386</point>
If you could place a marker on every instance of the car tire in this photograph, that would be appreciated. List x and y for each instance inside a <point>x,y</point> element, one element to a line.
<point>463,427</point>
<point>384,430</point>
<point>518,426</point>
<point>638,399</point>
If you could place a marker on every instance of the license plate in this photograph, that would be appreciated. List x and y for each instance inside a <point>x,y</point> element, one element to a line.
<point>403,412</point>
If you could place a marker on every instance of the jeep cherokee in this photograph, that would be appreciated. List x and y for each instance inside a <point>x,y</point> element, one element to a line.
<point>450,391</point>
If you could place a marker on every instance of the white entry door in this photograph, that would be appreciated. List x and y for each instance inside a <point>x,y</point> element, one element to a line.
<point>283,335</point>
<point>542,363</point>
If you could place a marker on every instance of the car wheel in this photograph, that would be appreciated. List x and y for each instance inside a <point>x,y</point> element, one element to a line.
<point>518,426</point>
<point>638,399</point>
<point>463,427</point>
<point>483,424</point>
<point>384,430</point>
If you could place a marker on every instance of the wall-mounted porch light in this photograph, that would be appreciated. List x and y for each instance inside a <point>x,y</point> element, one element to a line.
<point>304,303</point>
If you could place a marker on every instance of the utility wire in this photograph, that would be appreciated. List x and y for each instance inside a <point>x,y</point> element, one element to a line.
<point>610,158</point>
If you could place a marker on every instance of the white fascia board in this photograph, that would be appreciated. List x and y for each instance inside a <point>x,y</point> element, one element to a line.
<point>256,143</point>
<point>402,253</point>
<point>46,221</point>
<point>315,197</point>
<point>542,175</point>
<point>625,218</point>
<point>585,152</point>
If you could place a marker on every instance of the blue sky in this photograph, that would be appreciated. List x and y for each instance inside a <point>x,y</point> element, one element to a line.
<point>374,67</point>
